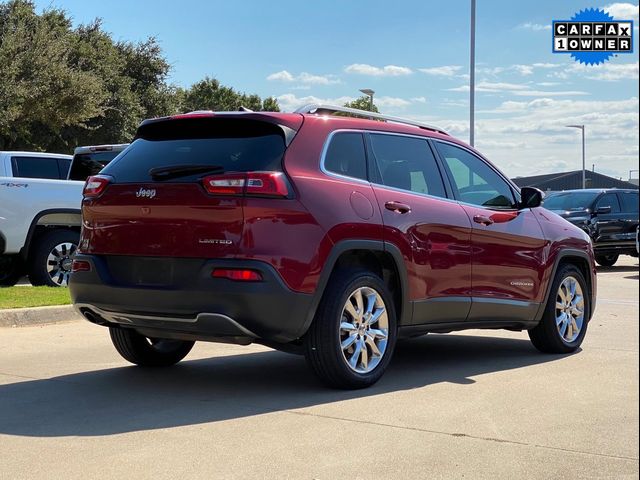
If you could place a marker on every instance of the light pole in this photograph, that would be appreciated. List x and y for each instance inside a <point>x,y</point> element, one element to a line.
<point>584,174</point>
<point>472,75</point>
<point>369,93</point>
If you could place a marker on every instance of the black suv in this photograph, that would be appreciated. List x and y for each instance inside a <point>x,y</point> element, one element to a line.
<point>609,216</point>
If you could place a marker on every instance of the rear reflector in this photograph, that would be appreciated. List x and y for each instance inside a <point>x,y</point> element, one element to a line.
<point>269,184</point>
<point>237,274</point>
<point>95,186</point>
<point>80,266</point>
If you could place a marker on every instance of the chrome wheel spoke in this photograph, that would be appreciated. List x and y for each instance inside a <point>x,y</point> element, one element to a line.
<point>364,354</point>
<point>349,341</point>
<point>351,310</point>
<point>371,303</point>
<point>375,351</point>
<point>359,302</point>
<point>378,333</point>
<point>348,327</point>
<point>353,361</point>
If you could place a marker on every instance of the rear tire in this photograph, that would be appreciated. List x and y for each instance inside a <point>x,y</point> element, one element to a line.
<point>566,315</point>
<point>607,260</point>
<point>351,340</point>
<point>11,270</point>
<point>51,257</point>
<point>147,352</point>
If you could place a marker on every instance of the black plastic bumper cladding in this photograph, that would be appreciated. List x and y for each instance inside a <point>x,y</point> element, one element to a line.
<point>185,302</point>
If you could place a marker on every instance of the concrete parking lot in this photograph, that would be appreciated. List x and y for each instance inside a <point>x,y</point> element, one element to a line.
<point>481,404</point>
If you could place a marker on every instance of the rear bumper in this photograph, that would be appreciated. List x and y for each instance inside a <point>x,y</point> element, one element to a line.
<point>197,306</point>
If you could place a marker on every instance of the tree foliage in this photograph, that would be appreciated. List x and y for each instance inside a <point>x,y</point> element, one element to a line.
<point>362,103</point>
<point>62,86</point>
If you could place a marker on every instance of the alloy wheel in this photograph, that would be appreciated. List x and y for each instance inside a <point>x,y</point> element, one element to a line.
<point>569,309</point>
<point>59,262</point>
<point>364,330</point>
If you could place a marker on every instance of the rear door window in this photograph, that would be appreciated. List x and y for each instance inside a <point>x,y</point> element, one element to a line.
<point>609,200</point>
<point>629,201</point>
<point>346,155</point>
<point>36,167</point>
<point>228,145</point>
<point>407,163</point>
<point>63,167</point>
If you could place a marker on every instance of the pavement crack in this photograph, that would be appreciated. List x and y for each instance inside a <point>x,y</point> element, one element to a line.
<point>464,435</point>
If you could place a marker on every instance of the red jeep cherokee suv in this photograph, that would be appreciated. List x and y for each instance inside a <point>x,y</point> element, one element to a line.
<point>327,235</point>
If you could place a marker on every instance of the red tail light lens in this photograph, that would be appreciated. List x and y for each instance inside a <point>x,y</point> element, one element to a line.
<point>80,266</point>
<point>237,274</point>
<point>270,184</point>
<point>95,186</point>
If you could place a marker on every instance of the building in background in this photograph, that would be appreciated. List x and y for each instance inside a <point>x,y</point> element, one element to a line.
<point>555,182</point>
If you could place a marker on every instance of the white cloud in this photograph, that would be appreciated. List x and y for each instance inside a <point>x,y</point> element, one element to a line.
<point>386,71</point>
<point>391,102</point>
<point>623,11</point>
<point>304,78</point>
<point>289,101</point>
<point>419,99</point>
<point>536,27</point>
<point>609,71</point>
<point>443,71</point>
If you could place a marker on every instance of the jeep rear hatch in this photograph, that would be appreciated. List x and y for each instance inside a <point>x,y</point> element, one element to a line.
<point>178,189</point>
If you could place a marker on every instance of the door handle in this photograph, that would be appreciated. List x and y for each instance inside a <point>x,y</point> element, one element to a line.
<point>482,220</point>
<point>397,207</point>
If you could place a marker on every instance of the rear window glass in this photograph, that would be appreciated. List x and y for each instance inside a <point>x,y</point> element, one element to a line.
<point>345,155</point>
<point>629,202</point>
<point>86,164</point>
<point>232,145</point>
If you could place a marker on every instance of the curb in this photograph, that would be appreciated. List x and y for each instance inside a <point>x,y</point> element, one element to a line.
<point>24,317</point>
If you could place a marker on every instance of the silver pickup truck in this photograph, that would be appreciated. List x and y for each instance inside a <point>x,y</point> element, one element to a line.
<point>40,211</point>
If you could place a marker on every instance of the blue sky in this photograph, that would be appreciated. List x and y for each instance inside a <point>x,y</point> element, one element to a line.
<point>414,54</point>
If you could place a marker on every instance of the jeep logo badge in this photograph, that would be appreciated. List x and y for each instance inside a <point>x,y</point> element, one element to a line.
<point>146,193</point>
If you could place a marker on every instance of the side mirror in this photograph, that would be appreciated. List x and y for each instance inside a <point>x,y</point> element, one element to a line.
<point>604,210</point>
<point>530,197</point>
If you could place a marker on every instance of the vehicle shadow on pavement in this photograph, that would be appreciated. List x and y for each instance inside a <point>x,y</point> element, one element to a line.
<point>118,400</point>
<point>619,269</point>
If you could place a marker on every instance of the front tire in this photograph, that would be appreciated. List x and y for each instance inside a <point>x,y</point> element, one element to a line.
<point>607,260</point>
<point>351,340</point>
<point>566,315</point>
<point>148,352</point>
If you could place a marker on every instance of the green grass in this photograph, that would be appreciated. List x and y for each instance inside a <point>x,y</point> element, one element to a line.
<point>20,297</point>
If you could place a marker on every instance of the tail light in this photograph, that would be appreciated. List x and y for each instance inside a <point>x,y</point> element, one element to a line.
<point>95,186</point>
<point>243,275</point>
<point>269,184</point>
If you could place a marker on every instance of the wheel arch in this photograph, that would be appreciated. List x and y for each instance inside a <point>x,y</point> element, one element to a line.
<point>382,257</point>
<point>55,217</point>
<point>581,260</point>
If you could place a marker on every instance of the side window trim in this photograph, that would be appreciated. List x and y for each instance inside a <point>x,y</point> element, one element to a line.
<point>515,194</point>
<point>375,176</point>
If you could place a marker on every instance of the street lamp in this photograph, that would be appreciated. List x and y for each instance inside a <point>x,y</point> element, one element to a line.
<point>369,93</point>
<point>584,175</point>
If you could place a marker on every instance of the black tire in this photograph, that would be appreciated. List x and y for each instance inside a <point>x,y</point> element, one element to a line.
<point>607,260</point>
<point>11,269</point>
<point>545,336</point>
<point>38,259</point>
<point>147,352</point>
<point>323,342</point>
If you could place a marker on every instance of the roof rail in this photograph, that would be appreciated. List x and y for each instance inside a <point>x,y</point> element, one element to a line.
<point>321,107</point>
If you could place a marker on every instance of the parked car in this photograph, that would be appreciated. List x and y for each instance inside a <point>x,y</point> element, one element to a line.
<point>40,214</point>
<point>54,166</point>
<point>90,160</point>
<point>609,216</point>
<point>323,235</point>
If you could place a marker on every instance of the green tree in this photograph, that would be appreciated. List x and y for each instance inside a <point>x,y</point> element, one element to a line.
<point>61,87</point>
<point>208,94</point>
<point>362,103</point>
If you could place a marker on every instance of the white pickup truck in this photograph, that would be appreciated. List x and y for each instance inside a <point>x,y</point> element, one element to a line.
<point>40,211</point>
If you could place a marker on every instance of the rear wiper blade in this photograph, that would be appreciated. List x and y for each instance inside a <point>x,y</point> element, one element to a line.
<point>175,171</point>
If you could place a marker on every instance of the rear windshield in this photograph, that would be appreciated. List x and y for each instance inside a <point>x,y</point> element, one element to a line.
<point>570,201</point>
<point>86,164</point>
<point>229,145</point>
